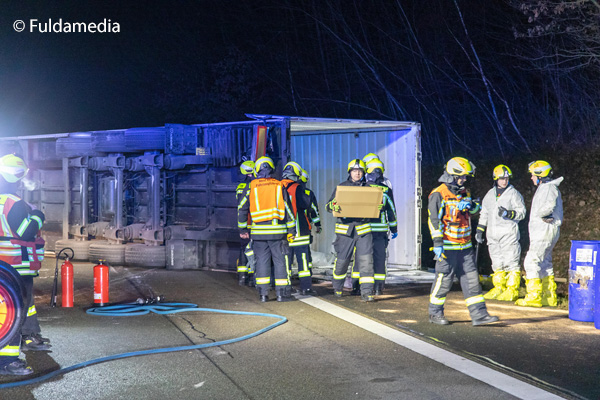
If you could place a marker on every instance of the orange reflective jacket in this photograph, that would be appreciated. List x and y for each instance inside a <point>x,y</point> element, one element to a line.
<point>267,200</point>
<point>456,225</point>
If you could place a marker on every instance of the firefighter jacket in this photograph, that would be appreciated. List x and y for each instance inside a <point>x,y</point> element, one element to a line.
<point>241,187</point>
<point>300,202</point>
<point>387,217</point>
<point>266,203</point>
<point>313,211</point>
<point>19,223</point>
<point>448,225</point>
<point>346,226</point>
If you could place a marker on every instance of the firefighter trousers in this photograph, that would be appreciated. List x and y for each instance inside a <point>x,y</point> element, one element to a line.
<point>31,324</point>
<point>363,258</point>
<point>380,243</point>
<point>242,265</point>
<point>278,252</point>
<point>459,263</point>
<point>302,254</point>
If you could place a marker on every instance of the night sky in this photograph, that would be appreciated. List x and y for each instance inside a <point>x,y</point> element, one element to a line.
<point>65,82</point>
<point>470,71</point>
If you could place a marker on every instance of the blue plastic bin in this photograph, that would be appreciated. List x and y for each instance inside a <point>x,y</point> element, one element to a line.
<point>582,266</point>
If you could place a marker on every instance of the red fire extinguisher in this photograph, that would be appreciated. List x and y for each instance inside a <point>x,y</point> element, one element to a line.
<point>100,284</point>
<point>66,278</point>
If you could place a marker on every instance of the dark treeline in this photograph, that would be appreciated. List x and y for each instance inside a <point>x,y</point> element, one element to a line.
<point>502,77</point>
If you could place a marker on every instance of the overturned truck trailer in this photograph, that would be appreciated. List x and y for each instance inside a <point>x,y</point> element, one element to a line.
<point>165,196</point>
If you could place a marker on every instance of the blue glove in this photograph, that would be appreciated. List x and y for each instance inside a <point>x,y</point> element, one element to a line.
<point>394,235</point>
<point>464,204</point>
<point>439,252</point>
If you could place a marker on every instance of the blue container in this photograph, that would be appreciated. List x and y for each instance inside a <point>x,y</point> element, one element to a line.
<point>582,287</point>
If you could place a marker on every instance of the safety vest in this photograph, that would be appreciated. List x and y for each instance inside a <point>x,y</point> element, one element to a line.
<point>456,225</point>
<point>267,202</point>
<point>10,252</point>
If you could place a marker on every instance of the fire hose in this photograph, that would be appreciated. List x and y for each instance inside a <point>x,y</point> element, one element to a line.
<point>136,309</point>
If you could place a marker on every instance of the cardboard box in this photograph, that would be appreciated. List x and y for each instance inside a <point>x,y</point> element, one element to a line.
<point>358,201</point>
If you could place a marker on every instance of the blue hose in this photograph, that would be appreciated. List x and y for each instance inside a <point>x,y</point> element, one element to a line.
<point>130,309</point>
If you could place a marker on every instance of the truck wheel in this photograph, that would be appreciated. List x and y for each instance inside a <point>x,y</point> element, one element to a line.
<point>81,248</point>
<point>12,309</point>
<point>141,255</point>
<point>113,254</point>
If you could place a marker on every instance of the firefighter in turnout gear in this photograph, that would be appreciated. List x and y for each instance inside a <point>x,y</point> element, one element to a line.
<point>501,210</point>
<point>450,208</point>
<point>312,213</point>
<point>300,246</point>
<point>545,219</point>
<point>387,221</point>
<point>245,275</point>
<point>267,205</point>
<point>22,248</point>
<point>353,235</point>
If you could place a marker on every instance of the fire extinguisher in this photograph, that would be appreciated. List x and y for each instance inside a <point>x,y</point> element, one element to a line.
<point>100,284</point>
<point>66,278</point>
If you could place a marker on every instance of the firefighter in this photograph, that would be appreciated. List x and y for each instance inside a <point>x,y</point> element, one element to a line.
<point>312,213</point>
<point>351,234</point>
<point>267,204</point>
<point>371,157</point>
<point>22,248</point>
<point>501,210</point>
<point>245,276</point>
<point>387,221</point>
<point>545,220</point>
<point>450,208</point>
<point>300,246</point>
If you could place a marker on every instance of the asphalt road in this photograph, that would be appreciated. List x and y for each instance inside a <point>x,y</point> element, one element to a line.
<point>315,354</point>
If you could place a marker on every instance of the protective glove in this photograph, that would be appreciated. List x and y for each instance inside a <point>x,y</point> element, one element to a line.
<point>506,214</point>
<point>548,219</point>
<point>464,204</point>
<point>394,235</point>
<point>335,206</point>
<point>479,236</point>
<point>439,253</point>
<point>290,237</point>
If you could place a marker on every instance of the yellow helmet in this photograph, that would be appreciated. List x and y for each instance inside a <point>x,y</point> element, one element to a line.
<point>375,164</point>
<point>304,176</point>
<point>502,171</point>
<point>12,168</point>
<point>247,167</point>
<point>370,157</point>
<point>261,162</point>
<point>293,166</point>
<point>356,164</point>
<point>540,168</point>
<point>460,166</point>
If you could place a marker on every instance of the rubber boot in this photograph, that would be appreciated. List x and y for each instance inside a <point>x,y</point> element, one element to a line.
<point>534,294</point>
<point>549,291</point>
<point>242,278</point>
<point>513,282</point>
<point>499,281</point>
<point>251,280</point>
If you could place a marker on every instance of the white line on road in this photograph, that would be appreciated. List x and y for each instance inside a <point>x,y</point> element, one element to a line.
<point>470,368</point>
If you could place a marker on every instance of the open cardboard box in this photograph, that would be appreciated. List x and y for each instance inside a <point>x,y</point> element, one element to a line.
<point>358,201</point>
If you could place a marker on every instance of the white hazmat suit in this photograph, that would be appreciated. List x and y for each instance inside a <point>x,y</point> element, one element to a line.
<point>502,233</point>
<point>546,205</point>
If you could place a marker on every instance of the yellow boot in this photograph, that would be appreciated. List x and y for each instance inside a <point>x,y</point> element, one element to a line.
<point>534,294</point>
<point>513,282</point>
<point>549,291</point>
<point>499,281</point>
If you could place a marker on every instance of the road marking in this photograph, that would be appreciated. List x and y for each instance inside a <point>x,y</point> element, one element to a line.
<point>470,368</point>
